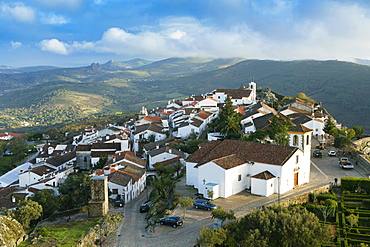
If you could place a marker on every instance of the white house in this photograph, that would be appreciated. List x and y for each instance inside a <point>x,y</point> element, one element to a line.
<point>165,155</point>
<point>125,180</point>
<point>143,132</point>
<point>228,167</point>
<point>245,96</point>
<point>251,113</point>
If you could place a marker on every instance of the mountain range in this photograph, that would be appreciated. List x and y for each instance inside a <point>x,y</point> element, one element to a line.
<point>46,95</point>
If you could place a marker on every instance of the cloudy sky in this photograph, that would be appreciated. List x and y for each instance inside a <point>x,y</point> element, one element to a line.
<point>80,32</point>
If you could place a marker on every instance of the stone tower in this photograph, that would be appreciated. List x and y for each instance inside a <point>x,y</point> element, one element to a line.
<point>98,205</point>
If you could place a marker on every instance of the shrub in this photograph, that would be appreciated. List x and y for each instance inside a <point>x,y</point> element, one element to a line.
<point>324,197</point>
<point>366,202</point>
<point>44,232</point>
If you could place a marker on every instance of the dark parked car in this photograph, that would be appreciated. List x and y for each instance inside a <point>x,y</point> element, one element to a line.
<point>317,154</point>
<point>145,207</point>
<point>204,204</point>
<point>173,221</point>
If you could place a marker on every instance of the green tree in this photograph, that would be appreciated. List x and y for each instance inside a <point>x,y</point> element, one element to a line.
<point>221,214</point>
<point>277,128</point>
<point>329,126</point>
<point>75,190</point>
<point>352,220</point>
<point>49,202</point>
<point>185,202</point>
<point>210,238</point>
<point>231,126</point>
<point>359,131</point>
<point>341,142</point>
<point>278,225</point>
<point>228,122</point>
<point>26,211</point>
<point>257,136</point>
<point>54,134</point>
<point>164,187</point>
<point>190,146</point>
<point>2,145</point>
<point>101,162</point>
<point>18,146</point>
<point>151,138</point>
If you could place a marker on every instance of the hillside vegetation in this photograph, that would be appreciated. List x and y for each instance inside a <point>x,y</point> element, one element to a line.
<point>62,95</point>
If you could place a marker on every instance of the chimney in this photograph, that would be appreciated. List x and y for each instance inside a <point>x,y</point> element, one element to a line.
<point>106,170</point>
<point>170,150</point>
<point>156,146</point>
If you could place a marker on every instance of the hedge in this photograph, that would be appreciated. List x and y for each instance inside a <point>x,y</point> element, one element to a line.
<point>352,184</point>
<point>323,197</point>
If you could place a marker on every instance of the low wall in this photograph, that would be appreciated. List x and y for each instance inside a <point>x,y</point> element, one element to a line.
<point>97,234</point>
<point>303,198</point>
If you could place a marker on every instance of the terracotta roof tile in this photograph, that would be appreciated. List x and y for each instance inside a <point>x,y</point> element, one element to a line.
<point>300,129</point>
<point>247,151</point>
<point>266,175</point>
<point>235,93</point>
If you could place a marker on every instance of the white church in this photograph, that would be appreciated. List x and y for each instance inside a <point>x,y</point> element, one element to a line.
<point>225,168</point>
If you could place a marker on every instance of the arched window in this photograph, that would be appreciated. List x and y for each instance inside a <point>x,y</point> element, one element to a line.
<point>295,140</point>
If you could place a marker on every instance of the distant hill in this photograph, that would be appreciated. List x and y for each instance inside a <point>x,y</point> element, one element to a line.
<point>65,94</point>
<point>15,70</point>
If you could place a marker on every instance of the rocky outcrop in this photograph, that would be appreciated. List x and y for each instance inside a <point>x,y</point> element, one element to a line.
<point>11,232</point>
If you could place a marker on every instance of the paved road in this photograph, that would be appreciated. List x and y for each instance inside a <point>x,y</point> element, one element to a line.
<point>132,232</point>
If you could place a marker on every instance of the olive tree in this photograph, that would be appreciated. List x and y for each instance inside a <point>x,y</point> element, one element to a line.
<point>221,214</point>
<point>26,211</point>
<point>185,202</point>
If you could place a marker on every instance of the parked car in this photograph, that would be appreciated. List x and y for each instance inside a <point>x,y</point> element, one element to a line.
<point>332,153</point>
<point>204,204</point>
<point>317,154</point>
<point>119,203</point>
<point>173,221</point>
<point>145,207</point>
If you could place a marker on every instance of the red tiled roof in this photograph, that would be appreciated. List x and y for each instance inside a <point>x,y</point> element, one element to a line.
<point>203,115</point>
<point>247,151</point>
<point>299,129</point>
<point>266,175</point>
<point>153,118</point>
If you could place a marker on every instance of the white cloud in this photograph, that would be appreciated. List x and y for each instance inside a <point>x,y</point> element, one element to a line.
<point>336,31</point>
<point>54,45</point>
<point>15,44</point>
<point>53,19</point>
<point>178,34</point>
<point>18,11</point>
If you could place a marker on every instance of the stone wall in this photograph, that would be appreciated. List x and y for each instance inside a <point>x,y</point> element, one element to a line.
<point>303,198</point>
<point>97,234</point>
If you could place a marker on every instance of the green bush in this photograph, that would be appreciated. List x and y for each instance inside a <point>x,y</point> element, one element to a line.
<point>366,202</point>
<point>44,232</point>
<point>324,197</point>
<point>353,184</point>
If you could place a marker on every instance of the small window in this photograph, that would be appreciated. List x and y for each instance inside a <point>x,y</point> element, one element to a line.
<point>239,177</point>
<point>308,140</point>
<point>115,191</point>
<point>295,140</point>
<point>297,159</point>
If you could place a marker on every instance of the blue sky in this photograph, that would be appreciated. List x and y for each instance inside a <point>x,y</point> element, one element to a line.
<point>80,32</point>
